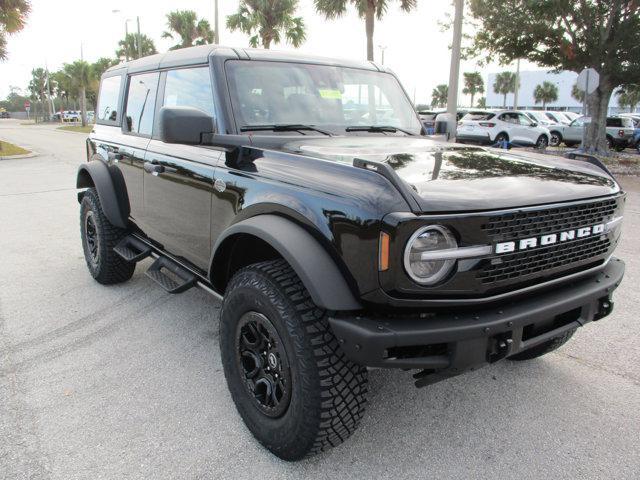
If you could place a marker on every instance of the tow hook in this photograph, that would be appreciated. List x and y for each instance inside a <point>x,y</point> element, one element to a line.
<point>500,347</point>
<point>605,307</point>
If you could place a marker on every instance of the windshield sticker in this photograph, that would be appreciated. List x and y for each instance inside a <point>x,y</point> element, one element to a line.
<point>335,94</point>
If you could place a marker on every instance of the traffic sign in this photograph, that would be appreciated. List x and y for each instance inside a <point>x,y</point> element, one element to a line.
<point>588,80</point>
<point>27,104</point>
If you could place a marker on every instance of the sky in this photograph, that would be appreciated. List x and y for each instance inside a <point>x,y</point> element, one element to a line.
<point>417,48</point>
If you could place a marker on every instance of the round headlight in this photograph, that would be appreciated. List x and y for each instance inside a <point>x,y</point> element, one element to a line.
<point>429,239</point>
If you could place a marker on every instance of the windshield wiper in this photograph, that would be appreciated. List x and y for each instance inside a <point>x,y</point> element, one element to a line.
<point>377,128</point>
<point>293,127</point>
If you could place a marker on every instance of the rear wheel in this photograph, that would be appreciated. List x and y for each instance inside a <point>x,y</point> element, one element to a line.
<point>290,381</point>
<point>544,348</point>
<point>502,137</point>
<point>98,239</point>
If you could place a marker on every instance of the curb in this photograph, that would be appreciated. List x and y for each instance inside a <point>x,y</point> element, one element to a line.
<point>16,157</point>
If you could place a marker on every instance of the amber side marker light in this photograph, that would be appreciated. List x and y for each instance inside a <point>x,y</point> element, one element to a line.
<point>383,255</point>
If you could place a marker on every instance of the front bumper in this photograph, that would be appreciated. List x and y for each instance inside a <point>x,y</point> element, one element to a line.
<point>450,343</point>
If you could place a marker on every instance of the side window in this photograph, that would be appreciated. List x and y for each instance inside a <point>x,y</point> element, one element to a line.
<point>524,120</point>
<point>189,87</point>
<point>141,102</point>
<point>108,100</point>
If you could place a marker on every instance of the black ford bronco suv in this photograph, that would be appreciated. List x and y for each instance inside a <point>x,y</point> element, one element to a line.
<point>302,193</point>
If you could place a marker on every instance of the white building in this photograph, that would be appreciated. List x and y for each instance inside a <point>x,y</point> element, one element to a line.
<point>528,82</point>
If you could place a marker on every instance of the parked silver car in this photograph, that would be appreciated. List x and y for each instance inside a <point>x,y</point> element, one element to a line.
<point>619,132</point>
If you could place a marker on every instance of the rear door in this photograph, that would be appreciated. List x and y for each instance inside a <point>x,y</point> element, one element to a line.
<point>177,200</point>
<point>137,127</point>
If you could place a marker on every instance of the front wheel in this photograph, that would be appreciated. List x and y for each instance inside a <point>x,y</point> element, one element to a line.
<point>542,143</point>
<point>288,377</point>
<point>556,139</point>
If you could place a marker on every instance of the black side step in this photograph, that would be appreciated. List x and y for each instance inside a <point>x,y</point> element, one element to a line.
<point>132,249</point>
<point>171,276</point>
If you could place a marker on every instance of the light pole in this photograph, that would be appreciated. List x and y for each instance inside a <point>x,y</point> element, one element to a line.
<point>137,40</point>
<point>216,27</point>
<point>382,49</point>
<point>517,86</point>
<point>454,72</point>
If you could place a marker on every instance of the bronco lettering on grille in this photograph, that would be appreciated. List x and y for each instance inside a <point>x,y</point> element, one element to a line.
<point>550,239</point>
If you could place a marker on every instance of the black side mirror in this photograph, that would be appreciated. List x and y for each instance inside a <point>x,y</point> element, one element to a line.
<point>184,125</point>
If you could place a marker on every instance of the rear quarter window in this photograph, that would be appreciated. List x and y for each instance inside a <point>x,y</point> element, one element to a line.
<point>614,122</point>
<point>109,100</point>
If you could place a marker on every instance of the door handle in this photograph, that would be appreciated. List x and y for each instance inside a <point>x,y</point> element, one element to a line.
<point>155,168</point>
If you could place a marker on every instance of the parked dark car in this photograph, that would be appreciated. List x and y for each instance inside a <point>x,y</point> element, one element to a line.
<point>5,115</point>
<point>337,237</point>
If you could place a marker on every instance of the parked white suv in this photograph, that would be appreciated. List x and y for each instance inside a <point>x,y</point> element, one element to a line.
<point>504,125</point>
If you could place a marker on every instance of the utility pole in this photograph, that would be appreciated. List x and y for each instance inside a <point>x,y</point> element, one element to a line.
<point>216,27</point>
<point>139,42</point>
<point>46,69</point>
<point>517,86</point>
<point>454,72</point>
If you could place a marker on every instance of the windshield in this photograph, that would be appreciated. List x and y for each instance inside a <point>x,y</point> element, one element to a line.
<point>328,97</point>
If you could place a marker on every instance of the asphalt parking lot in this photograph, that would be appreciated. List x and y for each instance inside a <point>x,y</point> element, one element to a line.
<point>126,381</point>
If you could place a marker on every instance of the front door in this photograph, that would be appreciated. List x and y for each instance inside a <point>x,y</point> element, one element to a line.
<point>178,180</point>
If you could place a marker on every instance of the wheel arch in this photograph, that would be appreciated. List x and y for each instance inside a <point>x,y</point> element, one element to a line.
<point>114,202</point>
<point>502,132</point>
<point>268,236</point>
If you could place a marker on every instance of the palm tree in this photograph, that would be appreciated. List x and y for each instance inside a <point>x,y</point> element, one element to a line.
<point>544,93</point>
<point>13,16</point>
<point>482,102</point>
<point>267,21</point>
<point>577,93</point>
<point>185,24</point>
<point>439,96</point>
<point>367,9</point>
<point>473,84</point>
<point>80,75</point>
<point>128,47</point>
<point>629,96</point>
<point>504,84</point>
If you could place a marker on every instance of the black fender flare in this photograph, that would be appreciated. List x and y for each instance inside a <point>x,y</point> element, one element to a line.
<point>308,258</point>
<point>96,173</point>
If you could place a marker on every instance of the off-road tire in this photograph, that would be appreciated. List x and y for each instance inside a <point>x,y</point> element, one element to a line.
<point>544,348</point>
<point>328,391</point>
<point>107,267</point>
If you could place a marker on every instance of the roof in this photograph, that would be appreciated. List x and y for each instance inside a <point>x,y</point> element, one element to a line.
<point>200,54</point>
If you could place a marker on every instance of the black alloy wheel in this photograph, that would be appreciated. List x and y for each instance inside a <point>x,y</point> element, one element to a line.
<point>264,363</point>
<point>92,238</point>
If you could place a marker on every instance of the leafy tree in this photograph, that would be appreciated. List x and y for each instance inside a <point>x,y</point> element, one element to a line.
<point>185,24</point>
<point>439,96</point>
<point>128,47</point>
<point>13,16</point>
<point>563,35</point>
<point>80,75</point>
<point>370,10</point>
<point>482,102</point>
<point>504,84</point>
<point>64,89</point>
<point>544,93</point>
<point>267,21</point>
<point>38,87</point>
<point>15,100</point>
<point>629,96</point>
<point>473,84</point>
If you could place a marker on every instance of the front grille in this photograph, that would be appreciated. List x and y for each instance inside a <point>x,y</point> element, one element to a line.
<point>538,222</point>
<point>545,261</point>
<point>521,264</point>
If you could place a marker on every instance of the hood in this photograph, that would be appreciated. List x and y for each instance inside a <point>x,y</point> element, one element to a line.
<point>451,177</point>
